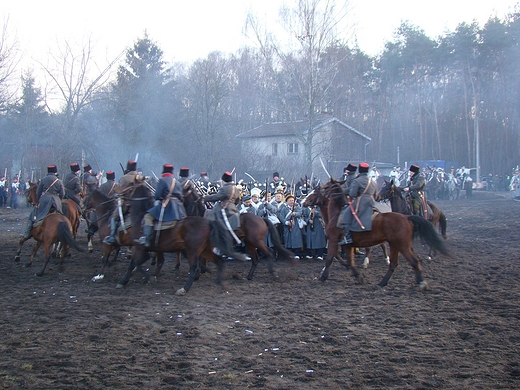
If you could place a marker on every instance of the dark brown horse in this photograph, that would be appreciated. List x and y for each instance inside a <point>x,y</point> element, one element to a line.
<point>396,229</point>
<point>192,235</point>
<point>104,207</point>
<point>402,205</point>
<point>252,231</point>
<point>54,228</point>
<point>314,199</point>
<point>69,208</point>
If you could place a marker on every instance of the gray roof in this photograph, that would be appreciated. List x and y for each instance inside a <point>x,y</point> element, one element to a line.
<point>295,128</point>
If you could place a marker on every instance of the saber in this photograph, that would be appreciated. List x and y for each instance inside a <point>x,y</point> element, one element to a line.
<point>356,216</point>
<point>252,178</point>
<point>159,225</point>
<point>223,211</point>
<point>154,175</point>
<point>325,169</point>
<point>120,208</point>
<point>136,156</point>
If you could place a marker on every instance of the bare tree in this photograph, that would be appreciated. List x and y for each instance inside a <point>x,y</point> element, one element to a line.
<point>9,60</point>
<point>78,78</point>
<point>313,26</point>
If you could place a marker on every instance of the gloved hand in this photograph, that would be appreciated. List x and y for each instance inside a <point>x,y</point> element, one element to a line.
<point>157,202</point>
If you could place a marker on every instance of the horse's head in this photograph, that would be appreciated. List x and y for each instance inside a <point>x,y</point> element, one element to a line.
<point>31,194</point>
<point>387,190</point>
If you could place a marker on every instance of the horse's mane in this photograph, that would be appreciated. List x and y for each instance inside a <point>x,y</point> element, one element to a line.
<point>335,194</point>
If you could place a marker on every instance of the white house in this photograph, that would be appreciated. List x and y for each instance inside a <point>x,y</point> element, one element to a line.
<point>280,146</point>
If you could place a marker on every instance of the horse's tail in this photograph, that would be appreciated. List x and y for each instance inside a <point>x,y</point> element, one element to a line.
<point>425,230</point>
<point>283,253</point>
<point>65,236</point>
<point>444,224</point>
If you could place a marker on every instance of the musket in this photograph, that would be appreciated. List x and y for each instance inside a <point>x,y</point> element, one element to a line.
<point>123,169</point>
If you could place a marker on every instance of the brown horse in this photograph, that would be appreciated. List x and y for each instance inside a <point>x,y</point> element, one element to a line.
<point>252,231</point>
<point>314,199</point>
<point>54,228</point>
<point>104,207</point>
<point>69,208</point>
<point>192,235</point>
<point>399,204</point>
<point>396,229</point>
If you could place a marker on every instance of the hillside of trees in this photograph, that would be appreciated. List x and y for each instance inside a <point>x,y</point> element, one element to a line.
<point>421,98</point>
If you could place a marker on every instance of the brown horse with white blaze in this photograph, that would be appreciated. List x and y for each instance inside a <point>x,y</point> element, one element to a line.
<point>396,229</point>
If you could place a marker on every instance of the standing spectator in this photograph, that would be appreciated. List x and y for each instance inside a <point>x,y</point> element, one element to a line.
<point>4,191</point>
<point>316,240</point>
<point>16,191</point>
<point>289,213</point>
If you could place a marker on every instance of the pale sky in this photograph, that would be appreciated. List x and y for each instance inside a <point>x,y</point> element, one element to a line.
<point>187,30</point>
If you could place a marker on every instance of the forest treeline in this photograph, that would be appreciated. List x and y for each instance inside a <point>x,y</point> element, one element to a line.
<point>421,98</point>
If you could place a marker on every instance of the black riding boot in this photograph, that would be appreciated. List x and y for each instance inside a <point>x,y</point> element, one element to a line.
<point>111,239</point>
<point>347,239</point>
<point>92,229</point>
<point>229,251</point>
<point>147,237</point>
<point>28,228</point>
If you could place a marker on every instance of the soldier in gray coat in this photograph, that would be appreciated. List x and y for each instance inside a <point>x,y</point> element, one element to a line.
<point>357,216</point>
<point>49,194</point>
<point>221,236</point>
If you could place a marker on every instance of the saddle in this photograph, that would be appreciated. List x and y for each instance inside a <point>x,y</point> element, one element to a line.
<point>164,225</point>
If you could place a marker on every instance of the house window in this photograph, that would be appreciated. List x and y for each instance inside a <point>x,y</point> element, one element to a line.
<point>292,148</point>
<point>275,149</point>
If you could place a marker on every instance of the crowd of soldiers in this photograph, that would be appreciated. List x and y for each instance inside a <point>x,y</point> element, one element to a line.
<point>12,195</point>
<point>301,229</point>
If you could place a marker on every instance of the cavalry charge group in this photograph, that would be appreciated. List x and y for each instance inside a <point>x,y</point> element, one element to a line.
<point>300,228</point>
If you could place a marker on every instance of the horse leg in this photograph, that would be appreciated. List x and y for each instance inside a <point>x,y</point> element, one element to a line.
<point>351,263</point>
<point>193,274</point>
<point>385,252</point>
<point>331,252</point>
<point>416,266</point>
<point>179,257</point>
<point>19,250</point>
<point>33,253</point>
<point>126,277</point>
<point>47,251</point>
<point>90,246</point>
<point>366,261</point>
<point>159,263</point>
<point>394,262</point>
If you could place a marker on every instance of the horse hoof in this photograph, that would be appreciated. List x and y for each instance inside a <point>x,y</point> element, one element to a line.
<point>97,277</point>
<point>27,265</point>
<point>424,286</point>
<point>39,274</point>
<point>120,285</point>
<point>180,291</point>
<point>17,259</point>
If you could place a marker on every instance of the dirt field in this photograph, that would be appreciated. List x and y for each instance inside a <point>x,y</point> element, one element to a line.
<point>63,331</point>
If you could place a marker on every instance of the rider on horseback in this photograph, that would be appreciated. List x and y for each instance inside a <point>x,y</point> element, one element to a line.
<point>72,185</point>
<point>49,194</point>
<point>357,216</point>
<point>416,190</point>
<point>226,216</point>
<point>129,179</point>
<point>167,207</point>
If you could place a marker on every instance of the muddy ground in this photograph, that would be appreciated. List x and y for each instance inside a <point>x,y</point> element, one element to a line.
<point>64,331</point>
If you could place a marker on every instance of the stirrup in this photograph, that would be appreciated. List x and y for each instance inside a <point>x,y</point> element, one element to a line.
<point>141,240</point>
<point>109,240</point>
